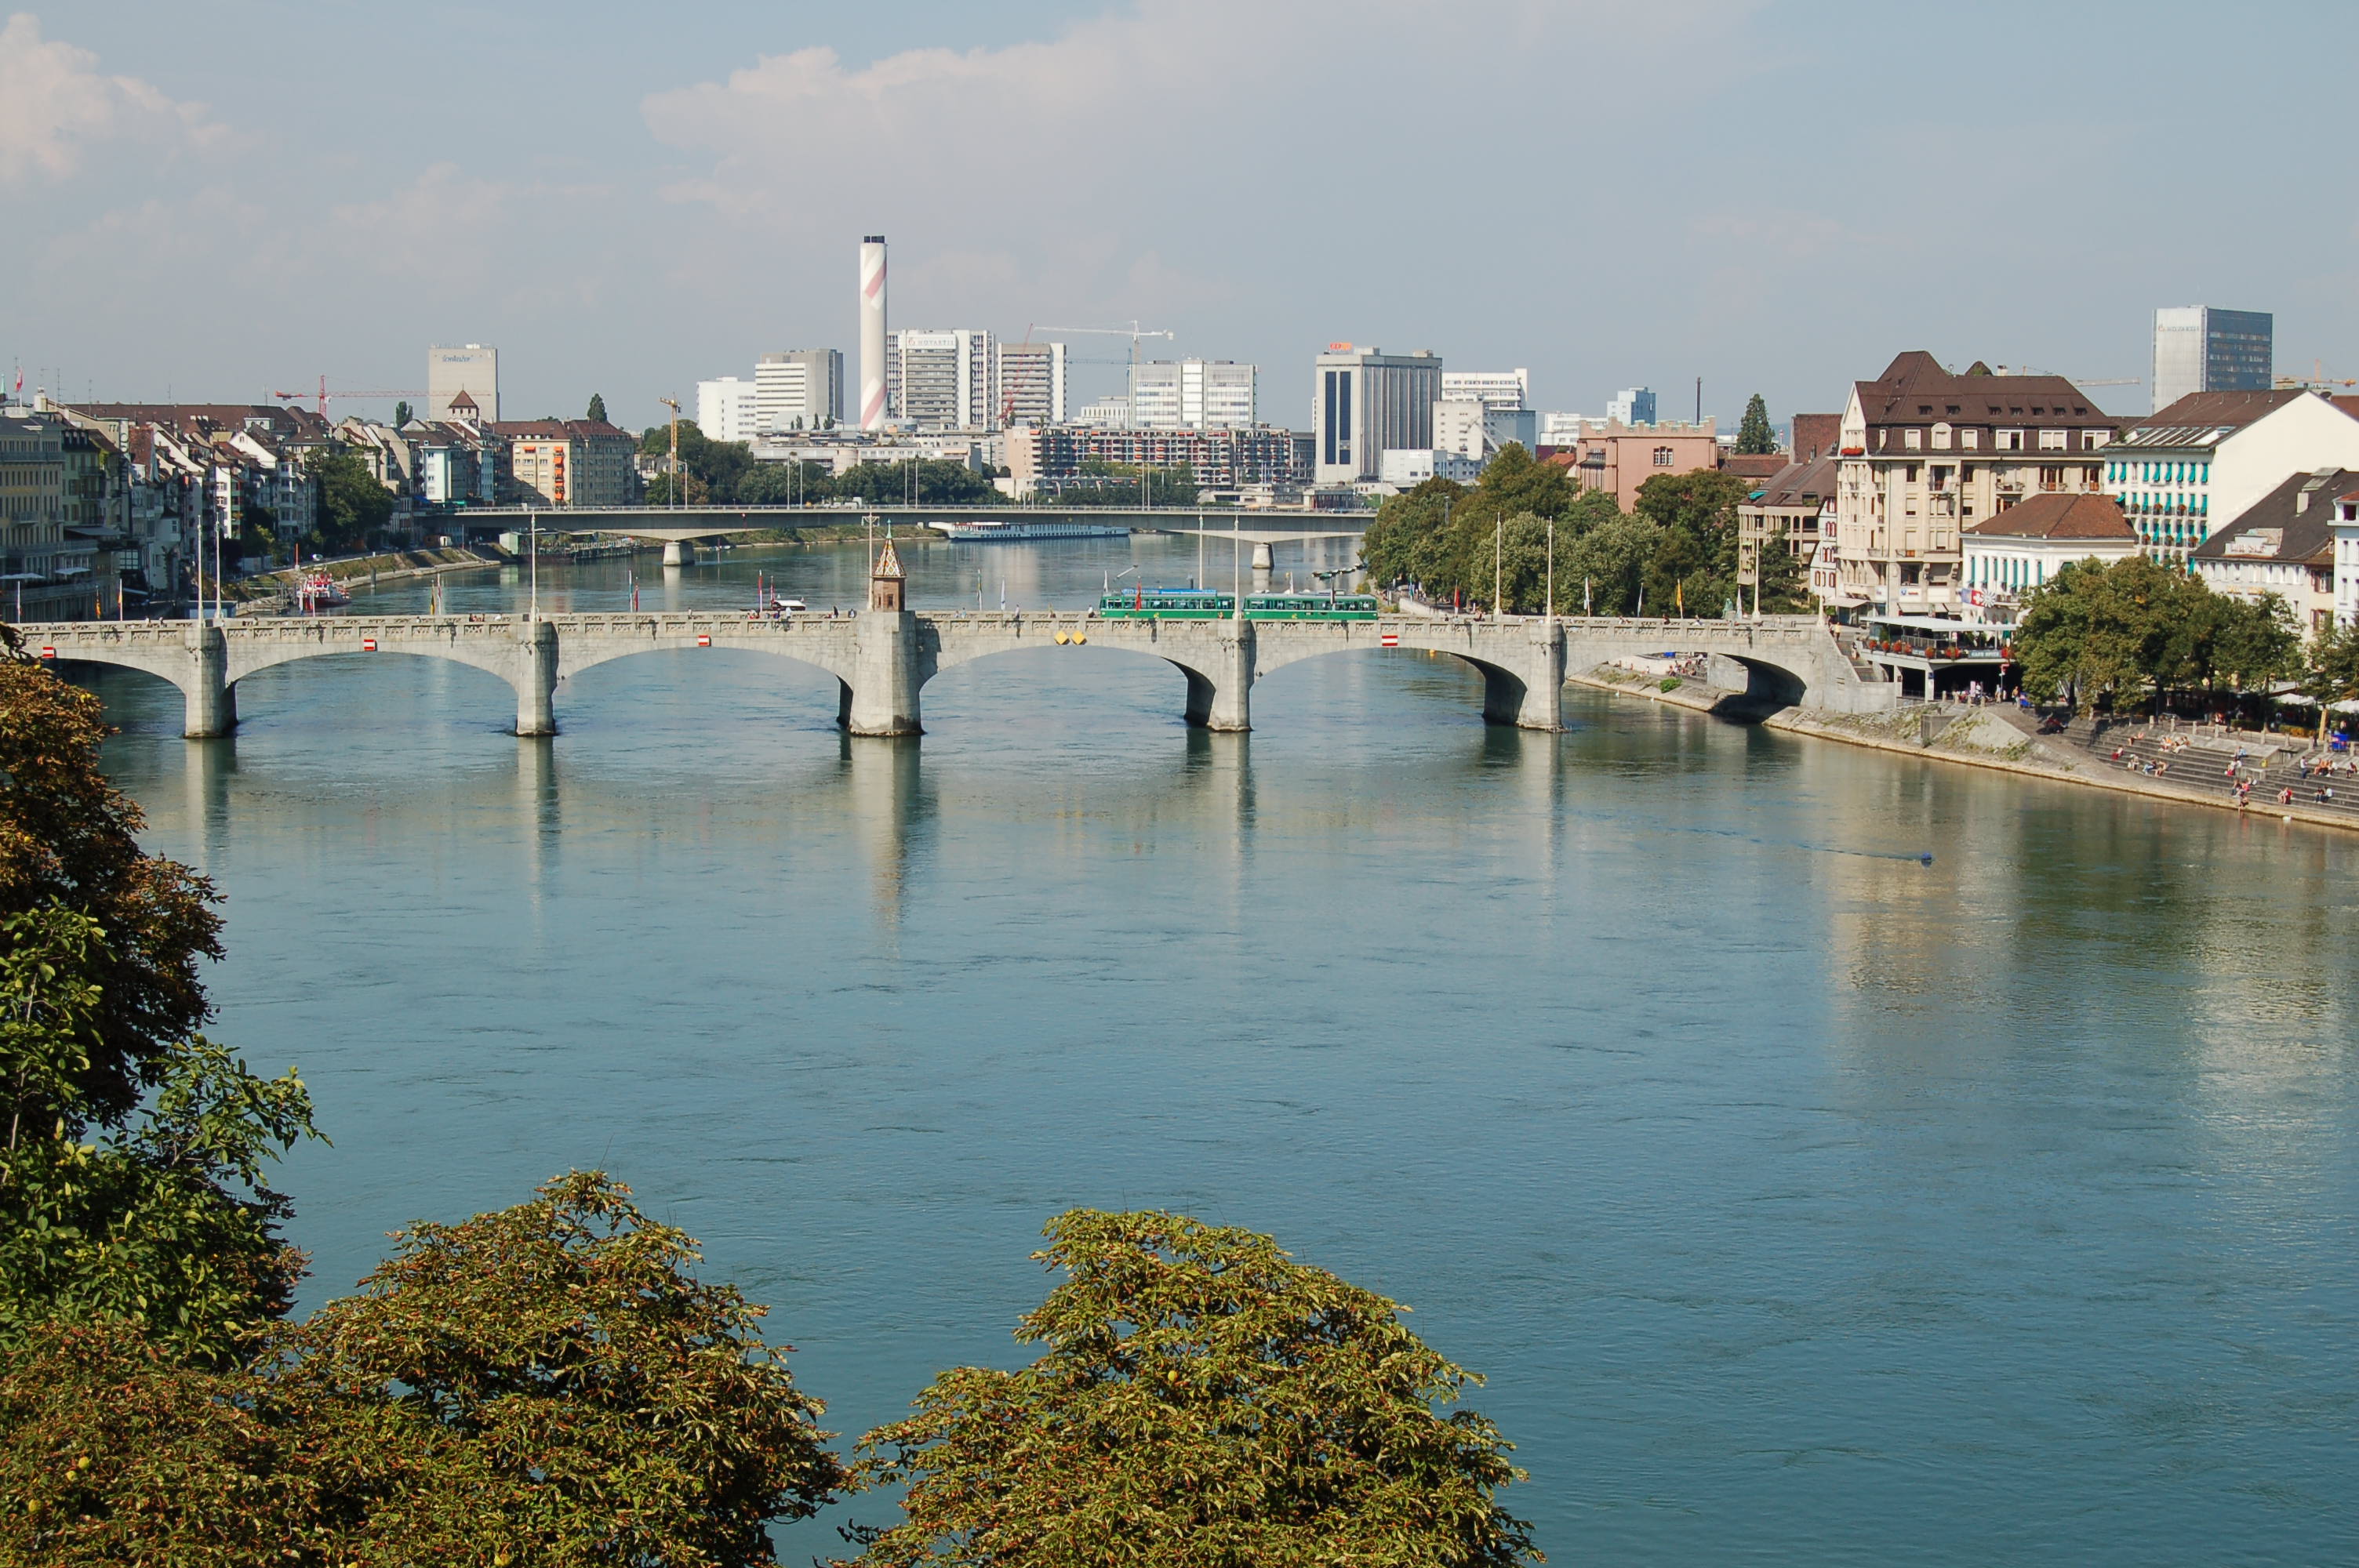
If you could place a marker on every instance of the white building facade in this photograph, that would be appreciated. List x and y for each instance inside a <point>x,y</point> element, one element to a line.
<point>941,378</point>
<point>2182,475</point>
<point>801,389</point>
<point>471,368</point>
<point>728,410</point>
<point>1491,388</point>
<point>1193,394</point>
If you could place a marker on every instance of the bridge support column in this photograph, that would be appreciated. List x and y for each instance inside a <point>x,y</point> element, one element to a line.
<point>212,699</point>
<point>535,680</point>
<point>884,685</point>
<point>1221,697</point>
<point>1262,559</point>
<point>1543,704</point>
<point>679,553</point>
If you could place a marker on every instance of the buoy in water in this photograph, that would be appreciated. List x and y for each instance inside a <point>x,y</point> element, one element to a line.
<point>1927,859</point>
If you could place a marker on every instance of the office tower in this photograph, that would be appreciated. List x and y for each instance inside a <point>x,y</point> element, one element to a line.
<point>2199,349</point>
<point>801,389</point>
<point>873,371</point>
<point>1193,394</point>
<point>474,369</point>
<point>1366,403</point>
<point>941,378</point>
<point>1031,384</point>
<point>1632,405</point>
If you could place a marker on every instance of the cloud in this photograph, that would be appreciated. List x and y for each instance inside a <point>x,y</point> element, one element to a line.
<point>54,105</point>
<point>1177,156</point>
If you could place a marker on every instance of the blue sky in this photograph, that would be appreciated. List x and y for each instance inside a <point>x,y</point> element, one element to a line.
<point>216,201</point>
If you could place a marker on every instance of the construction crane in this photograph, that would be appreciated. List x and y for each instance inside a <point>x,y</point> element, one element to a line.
<point>2075,380</point>
<point>323,394</point>
<point>1134,332</point>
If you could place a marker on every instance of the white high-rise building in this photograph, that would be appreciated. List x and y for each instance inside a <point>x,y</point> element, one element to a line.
<point>1365,403</point>
<point>941,378</point>
<point>1491,388</point>
<point>1632,405</point>
<point>726,409</point>
<point>801,389</point>
<point>1193,394</point>
<point>474,369</point>
<point>2199,349</point>
<point>1031,384</point>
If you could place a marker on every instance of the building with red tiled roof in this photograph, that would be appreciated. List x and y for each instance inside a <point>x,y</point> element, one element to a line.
<point>2283,543</point>
<point>2025,545</point>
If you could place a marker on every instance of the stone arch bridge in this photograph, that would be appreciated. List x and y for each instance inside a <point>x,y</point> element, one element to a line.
<point>882,659</point>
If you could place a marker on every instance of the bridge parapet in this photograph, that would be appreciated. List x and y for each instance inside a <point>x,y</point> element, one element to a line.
<point>882,660</point>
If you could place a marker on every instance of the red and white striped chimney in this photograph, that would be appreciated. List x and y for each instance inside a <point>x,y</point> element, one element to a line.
<point>871,333</point>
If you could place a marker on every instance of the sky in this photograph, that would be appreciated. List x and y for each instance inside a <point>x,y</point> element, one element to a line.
<point>218,202</point>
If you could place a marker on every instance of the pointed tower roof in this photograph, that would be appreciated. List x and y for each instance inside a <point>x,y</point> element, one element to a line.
<point>888,564</point>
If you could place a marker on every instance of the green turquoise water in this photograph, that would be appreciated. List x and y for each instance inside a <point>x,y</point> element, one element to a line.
<point>1802,1202</point>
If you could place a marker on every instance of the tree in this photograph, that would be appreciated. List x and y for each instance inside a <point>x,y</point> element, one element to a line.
<point>597,411</point>
<point>2247,643</point>
<point>544,1385</point>
<point>1203,1399</point>
<point>354,507</point>
<point>68,839</point>
<point>1694,567</point>
<point>2334,674</point>
<point>1513,481</point>
<point>2123,630</point>
<point>551,1381</point>
<point>400,415</point>
<point>1781,577</point>
<point>160,1219</point>
<point>1606,567</point>
<point>718,464</point>
<point>1403,542</point>
<point>1753,437</point>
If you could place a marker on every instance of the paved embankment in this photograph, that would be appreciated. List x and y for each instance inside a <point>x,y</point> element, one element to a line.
<point>1991,737</point>
<point>352,571</point>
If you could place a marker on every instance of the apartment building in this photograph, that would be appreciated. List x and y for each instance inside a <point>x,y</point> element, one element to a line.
<point>1792,504</point>
<point>2200,349</point>
<point>1192,395</point>
<point>2287,543</point>
<point>2210,456</point>
<point>1503,389</point>
<point>1221,459</point>
<point>569,462</point>
<point>2007,556</point>
<point>1617,458</point>
<point>1926,453</point>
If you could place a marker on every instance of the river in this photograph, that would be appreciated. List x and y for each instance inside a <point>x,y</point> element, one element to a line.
<point>1802,1202</point>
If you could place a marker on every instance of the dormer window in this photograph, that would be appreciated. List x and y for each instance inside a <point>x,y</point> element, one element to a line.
<point>1913,438</point>
<point>1941,438</point>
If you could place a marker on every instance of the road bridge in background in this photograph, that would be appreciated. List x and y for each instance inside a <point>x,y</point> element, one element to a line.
<point>882,659</point>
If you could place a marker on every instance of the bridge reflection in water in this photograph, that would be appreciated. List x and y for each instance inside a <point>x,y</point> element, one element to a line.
<point>882,660</point>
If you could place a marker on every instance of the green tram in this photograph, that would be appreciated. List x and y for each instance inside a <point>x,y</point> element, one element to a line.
<point>1200,604</point>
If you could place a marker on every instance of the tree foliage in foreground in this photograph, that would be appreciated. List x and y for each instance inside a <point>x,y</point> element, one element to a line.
<point>131,1161</point>
<point>546,1385</point>
<point>1204,1401</point>
<point>2132,630</point>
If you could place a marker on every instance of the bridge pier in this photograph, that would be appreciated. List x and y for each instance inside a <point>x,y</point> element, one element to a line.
<point>535,680</point>
<point>679,553</point>
<point>212,697</point>
<point>1543,705</point>
<point>1221,697</point>
<point>881,698</point>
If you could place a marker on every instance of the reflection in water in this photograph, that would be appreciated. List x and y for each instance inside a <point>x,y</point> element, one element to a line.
<point>1797,1198</point>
